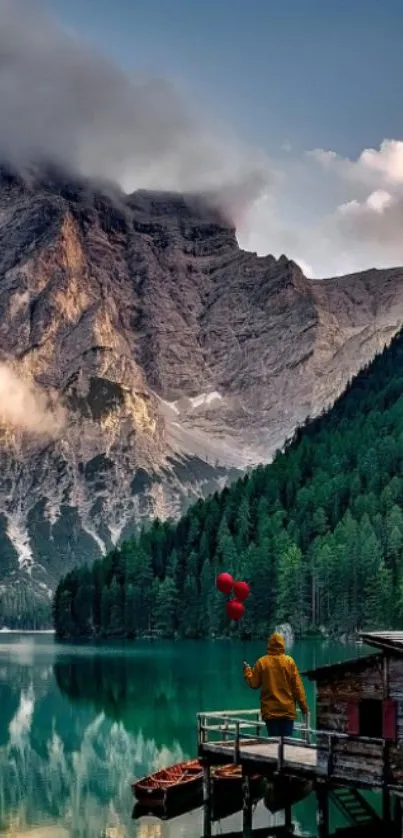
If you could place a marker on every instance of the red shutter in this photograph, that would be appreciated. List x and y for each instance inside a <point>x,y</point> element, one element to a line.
<point>353,718</point>
<point>389,720</point>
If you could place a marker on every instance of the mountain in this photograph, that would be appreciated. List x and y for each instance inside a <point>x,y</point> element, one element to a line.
<point>318,535</point>
<point>159,360</point>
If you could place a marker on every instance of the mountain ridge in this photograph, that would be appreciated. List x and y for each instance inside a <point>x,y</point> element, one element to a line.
<point>317,534</point>
<point>175,358</point>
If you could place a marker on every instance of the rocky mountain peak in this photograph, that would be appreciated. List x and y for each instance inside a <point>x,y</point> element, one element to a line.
<point>160,359</point>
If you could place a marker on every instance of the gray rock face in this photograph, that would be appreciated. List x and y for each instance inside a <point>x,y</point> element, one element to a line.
<point>176,357</point>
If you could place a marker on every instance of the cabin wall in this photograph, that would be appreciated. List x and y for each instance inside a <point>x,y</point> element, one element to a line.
<point>359,762</point>
<point>395,689</point>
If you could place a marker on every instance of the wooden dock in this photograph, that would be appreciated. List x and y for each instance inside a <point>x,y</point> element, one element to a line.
<point>358,745</point>
<point>257,755</point>
<point>240,737</point>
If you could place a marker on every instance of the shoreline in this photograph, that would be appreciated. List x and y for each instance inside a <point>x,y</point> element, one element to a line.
<point>26,631</point>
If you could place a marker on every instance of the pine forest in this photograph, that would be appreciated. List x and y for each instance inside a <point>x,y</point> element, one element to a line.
<point>317,534</point>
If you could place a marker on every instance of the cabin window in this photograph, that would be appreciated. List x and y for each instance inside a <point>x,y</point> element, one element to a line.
<point>373,718</point>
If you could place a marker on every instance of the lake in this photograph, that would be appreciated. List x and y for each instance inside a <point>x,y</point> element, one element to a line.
<point>78,724</point>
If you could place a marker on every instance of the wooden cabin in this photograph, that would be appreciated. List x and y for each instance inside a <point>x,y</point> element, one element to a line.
<point>359,715</point>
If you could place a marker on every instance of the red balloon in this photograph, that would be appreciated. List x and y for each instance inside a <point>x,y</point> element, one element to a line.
<point>235,609</point>
<point>241,590</point>
<point>224,583</point>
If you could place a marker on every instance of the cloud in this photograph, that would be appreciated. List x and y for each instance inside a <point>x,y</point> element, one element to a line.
<point>351,212</point>
<point>386,162</point>
<point>376,223</point>
<point>367,228</point>
<point>383,165</point>
<point>25,407</point>
<point>264,230</point>
<point>376,204</point>
<point>62,102</point>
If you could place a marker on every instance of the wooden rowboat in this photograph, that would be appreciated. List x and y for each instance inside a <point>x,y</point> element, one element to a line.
<point>163,787</point>
<point>185,780</point>
<point>227,780</point>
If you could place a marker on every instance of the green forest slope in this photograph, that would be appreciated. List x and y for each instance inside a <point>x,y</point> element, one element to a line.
<point>318,534</point>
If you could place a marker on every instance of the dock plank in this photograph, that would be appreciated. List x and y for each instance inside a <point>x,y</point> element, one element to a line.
<point>262,832</point>
<point>295,756</point>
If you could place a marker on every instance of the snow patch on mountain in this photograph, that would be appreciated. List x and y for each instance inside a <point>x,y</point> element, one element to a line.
<point>94,535</point>
<point>205,399</point>
<point>190,403</point>
<point>116,531</point>
<point>18,534</point>
<point>48,591</point>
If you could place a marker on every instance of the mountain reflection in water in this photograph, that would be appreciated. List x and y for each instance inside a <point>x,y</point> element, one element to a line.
<point>79,724</point>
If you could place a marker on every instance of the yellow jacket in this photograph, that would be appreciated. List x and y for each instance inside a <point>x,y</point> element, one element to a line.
<point>279,680</point>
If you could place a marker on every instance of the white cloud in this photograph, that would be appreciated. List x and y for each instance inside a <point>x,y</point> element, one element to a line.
<point>375,224</point>
<point>377,202</point>
<point>25,407</point>
<point>362,223</point>
<point>387,161</point>
<point>62,102</point>
<point>326,159</point>
<point>383,165</point>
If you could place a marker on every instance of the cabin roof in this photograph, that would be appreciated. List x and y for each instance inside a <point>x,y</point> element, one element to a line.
<point>385,640</point>
<point>327,670</point>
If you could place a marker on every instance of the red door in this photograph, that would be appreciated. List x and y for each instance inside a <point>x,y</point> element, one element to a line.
<point>389,720</point>
<point>353,718</point>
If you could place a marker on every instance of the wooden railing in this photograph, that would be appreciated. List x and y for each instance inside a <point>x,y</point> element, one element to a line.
<point>248,725</point>
<point>243,726</point>
<point>229,722</point>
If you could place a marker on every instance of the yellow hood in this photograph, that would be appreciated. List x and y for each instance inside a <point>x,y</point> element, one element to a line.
<point>276,644</point>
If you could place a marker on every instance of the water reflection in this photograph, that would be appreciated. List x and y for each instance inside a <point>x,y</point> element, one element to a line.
<point>78,725</point>
<point>61,763</point>
<point>143,695</point>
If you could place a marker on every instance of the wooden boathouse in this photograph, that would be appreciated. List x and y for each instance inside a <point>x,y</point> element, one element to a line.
<point>356,744</point>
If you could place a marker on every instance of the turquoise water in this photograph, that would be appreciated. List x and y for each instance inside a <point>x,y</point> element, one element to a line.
<point>79,724</point>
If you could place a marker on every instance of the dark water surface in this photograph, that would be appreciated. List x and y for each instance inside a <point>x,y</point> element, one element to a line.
<point>78,724</point>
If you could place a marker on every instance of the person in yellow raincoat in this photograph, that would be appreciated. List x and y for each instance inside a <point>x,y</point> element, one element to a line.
<point>281,687</point>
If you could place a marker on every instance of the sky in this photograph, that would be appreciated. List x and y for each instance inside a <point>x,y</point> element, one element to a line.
<point>290,109</point>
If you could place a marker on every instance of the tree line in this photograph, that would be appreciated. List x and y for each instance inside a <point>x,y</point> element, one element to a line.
<point>317,534</point>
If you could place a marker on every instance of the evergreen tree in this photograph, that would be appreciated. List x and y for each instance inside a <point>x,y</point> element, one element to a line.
<point>292,590</point>
<point>130,623</point>
<point>106,603</point>
<point>116,615</point>
<point>318,534</point>
<point>165,607</point>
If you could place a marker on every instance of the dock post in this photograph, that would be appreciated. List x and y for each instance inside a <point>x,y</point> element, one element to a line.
<point>206,801</point>
<point>397,816</point>
<point>322,798</point>
<point>288,817</point>
<point>247,807</point>
<point>386,808</point>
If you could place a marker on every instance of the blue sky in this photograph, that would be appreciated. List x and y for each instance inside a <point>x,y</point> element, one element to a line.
<point>286,77</point>
<point>325,73</point>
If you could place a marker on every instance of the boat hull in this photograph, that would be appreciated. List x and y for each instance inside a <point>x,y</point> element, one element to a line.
<point>284,791</point>
<point>182,785</point>
<point>226,784</point>
<point>166,787</point>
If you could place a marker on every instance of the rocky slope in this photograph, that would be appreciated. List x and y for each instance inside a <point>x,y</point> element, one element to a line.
<point>169,358</point>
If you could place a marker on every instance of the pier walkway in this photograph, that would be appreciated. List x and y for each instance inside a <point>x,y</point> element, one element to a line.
<point>240,737</point>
